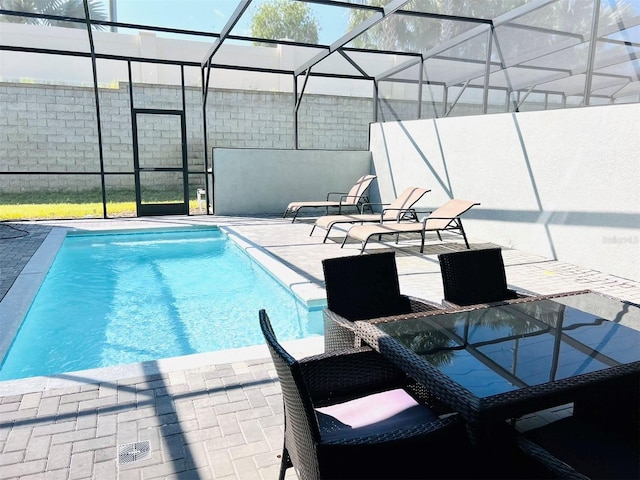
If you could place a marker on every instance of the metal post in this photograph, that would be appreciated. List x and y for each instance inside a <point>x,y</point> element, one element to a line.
<point>295,111</point>
<point>207,187</point>
<point>420,89</point>
<point>94,69</point>
<point>298,101</point>
<point>113,13</point>
<point>593,42</point>
<point>487,72</point>
<point>445,99</point>
<point>375,100</point>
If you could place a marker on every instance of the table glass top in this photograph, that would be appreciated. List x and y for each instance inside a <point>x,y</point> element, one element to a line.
<point>503,348</point>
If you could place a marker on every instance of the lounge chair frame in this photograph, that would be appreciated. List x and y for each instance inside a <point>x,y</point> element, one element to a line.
<point>401,209</point>
<point>454,225</point>
<point>354,198</point>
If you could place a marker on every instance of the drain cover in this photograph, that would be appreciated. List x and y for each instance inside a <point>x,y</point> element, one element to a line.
<point>133,452</point>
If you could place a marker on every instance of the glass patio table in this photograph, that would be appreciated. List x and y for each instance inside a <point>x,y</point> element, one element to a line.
<point>499,361</point>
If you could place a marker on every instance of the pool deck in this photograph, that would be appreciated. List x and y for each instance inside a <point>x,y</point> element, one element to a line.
<point>208,416</point>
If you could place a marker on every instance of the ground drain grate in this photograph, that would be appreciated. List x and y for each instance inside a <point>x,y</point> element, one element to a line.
<point>133,452</point>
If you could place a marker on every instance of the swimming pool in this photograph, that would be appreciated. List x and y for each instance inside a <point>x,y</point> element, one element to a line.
<point>117,298</point>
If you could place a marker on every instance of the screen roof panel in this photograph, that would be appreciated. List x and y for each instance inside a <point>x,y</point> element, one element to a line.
<point>536,45</point>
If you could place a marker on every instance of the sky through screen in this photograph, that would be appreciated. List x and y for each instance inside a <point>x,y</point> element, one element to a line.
<point>212,15</point>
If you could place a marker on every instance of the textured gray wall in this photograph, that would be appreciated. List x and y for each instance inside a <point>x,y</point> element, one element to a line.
<point>560,183</point>
<point>260,181</point>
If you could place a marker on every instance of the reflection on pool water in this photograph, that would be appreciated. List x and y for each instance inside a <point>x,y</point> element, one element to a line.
<point>117,298</point>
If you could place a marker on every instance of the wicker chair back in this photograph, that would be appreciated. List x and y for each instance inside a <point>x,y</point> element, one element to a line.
<point>301,428</point>
<point>474,276</point>
<point>364,286</point>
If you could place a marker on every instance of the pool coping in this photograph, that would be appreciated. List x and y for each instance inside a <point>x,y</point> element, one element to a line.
<point>304,290</point>
<point>18,299</point>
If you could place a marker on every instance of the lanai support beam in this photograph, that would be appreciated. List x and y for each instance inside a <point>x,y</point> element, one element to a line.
<point>400,68</point>
<point>592,53</point>
<point>297,101</point>
<point>487,73</point>
<point>366,76</point>
<point>420,80</point>
<point>94,70</point>
<point>375,100</point>
<point>349,36</point>
<point>464,87</point>
<point>233,19</point>
<point>206,64</point>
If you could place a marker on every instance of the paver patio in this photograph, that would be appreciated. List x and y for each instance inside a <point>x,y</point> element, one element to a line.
<point>221,419</point>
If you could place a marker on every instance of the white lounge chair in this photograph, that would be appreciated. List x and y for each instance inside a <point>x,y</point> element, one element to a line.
<point>353,198</point>
<point>445,218</point>
<point>400,208</point>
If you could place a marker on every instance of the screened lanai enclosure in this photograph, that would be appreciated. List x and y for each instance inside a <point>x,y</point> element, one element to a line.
<point>114,106</point>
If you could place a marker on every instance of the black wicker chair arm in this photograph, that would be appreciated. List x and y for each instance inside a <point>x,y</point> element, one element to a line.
<point>513,294</point>
<point>422,305</point>
<point>347,373</point>
<point>554,467</point>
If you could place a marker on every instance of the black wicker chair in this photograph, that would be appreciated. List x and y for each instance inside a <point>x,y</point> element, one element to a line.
<point>331,402</point>
<point>577,448</point>
<point>473,277</point>
<point>362,287</point>
<point>600,440</point>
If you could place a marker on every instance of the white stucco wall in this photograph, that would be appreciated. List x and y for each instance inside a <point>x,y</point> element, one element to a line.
<point>560,183</point>
<point>265,181</point>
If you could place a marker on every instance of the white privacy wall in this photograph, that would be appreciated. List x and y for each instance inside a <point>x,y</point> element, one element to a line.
<point>563,183</point>
<point>259,181</point>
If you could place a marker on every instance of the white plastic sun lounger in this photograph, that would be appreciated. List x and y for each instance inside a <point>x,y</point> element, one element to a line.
<point>445,218</point>
<point>401,208</point>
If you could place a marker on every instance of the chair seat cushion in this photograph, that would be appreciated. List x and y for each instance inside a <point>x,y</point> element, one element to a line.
<point>374,414</point>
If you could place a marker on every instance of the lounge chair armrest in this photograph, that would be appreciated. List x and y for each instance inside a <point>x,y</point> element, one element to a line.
<point>417,210</point>
<point>347,372</point>
<point>374,204</point>
<point>422,212</point>
<point>424,220</point>
<point>345,197</point>
<point>335,193</point>
<point>402,212</point>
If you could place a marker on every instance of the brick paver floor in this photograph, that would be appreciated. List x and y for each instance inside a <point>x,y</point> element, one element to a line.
<point>218,421</point>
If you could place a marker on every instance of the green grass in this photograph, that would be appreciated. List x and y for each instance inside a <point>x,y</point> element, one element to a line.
<point>63,205</point>
<point>31,211</point>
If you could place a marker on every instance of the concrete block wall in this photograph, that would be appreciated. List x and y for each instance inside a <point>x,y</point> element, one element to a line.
<point>53,128</point>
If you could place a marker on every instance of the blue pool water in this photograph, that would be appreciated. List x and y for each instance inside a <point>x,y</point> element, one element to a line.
<point>111,299</point>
